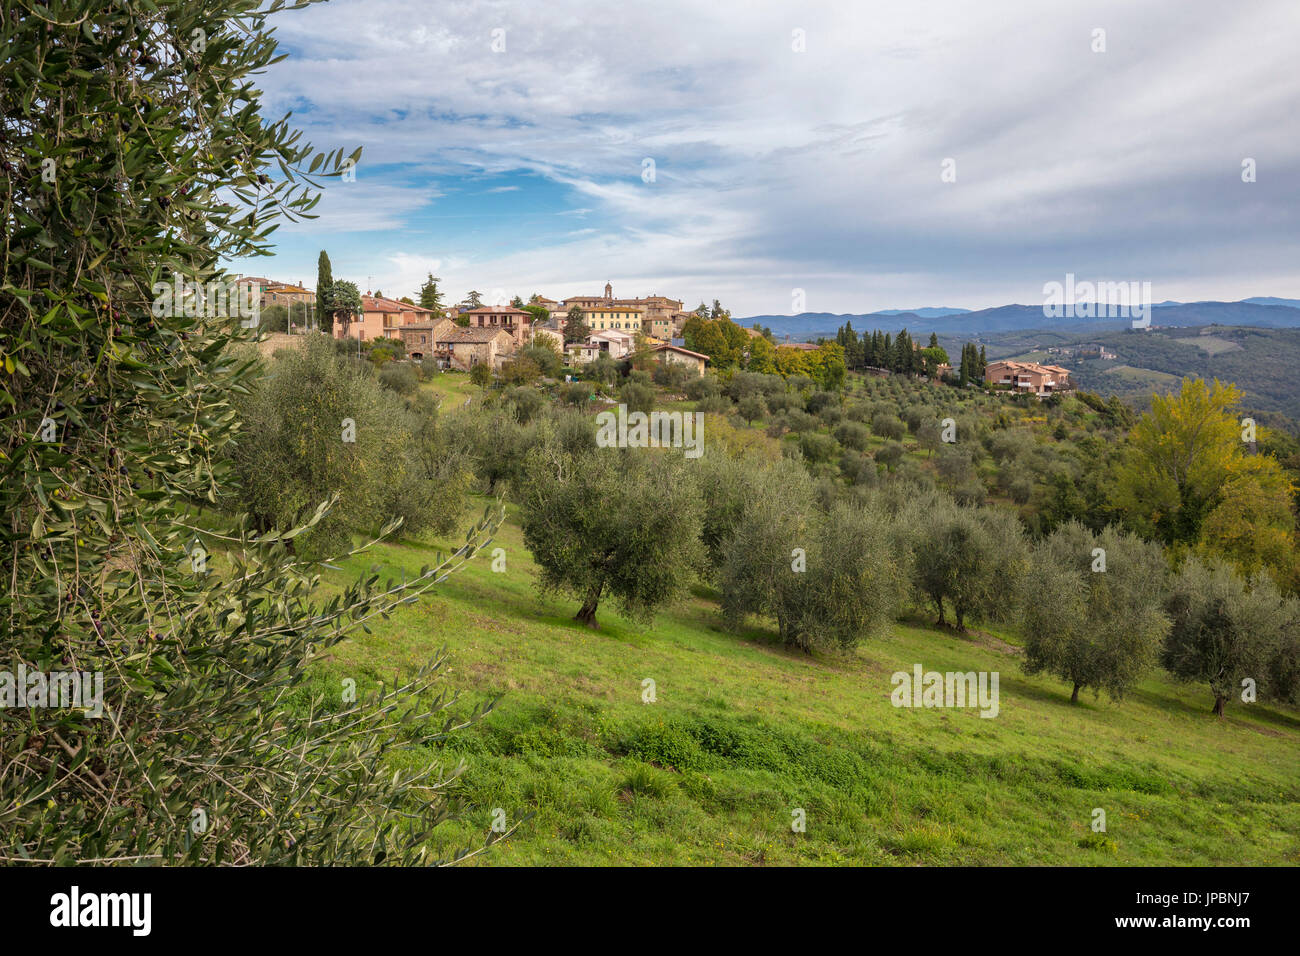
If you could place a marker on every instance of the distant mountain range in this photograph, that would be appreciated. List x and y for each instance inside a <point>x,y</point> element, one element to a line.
<point>1260,312</point>
<point>926,313</point>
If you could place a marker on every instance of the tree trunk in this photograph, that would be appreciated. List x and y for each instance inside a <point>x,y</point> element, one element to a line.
<point>941,621</point>
<point>1218,705</point>
<point>587,613</point>
<point>1074,697</point>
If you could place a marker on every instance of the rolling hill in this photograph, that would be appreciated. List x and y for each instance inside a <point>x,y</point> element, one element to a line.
<point>1264,363</point>
<point>808,326</point>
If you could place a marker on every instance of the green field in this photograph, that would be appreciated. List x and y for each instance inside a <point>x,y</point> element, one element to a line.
<point>1208,344</point>
<point>744,732</point>
<point>1141,377</point>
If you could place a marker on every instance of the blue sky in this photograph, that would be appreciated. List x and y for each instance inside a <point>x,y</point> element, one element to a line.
<point>799,146</point>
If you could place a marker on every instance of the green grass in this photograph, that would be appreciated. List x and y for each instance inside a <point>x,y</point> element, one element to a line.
<point>1208,344</point>
<point>452,387</point>
<point>1143,377</point>
<point>744,732</point>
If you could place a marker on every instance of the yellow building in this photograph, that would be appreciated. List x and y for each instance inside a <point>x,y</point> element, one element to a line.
<point>602,315</point>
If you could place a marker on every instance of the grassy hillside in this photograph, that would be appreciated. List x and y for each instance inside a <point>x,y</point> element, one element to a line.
<point>744,732</point>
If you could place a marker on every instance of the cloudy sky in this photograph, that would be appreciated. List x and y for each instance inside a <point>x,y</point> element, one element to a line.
<point>744,150</point>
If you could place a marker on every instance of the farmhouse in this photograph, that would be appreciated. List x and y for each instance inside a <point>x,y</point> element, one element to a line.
<point>676,355</point>
<point>381,318</point>
<point>476,346</point>
<point>422,338</point>
<point>512,320</point>
<point>549,332</point>
<point>287,295</point>
<point>1040,380</point>
<point>614,341</point>
<point>580,353</point>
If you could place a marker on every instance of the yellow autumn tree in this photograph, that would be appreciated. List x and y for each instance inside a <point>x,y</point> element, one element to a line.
<point>1179,456</point>
<point>1252,525</point>
<point>1188,477</point>
<point>762,356</point>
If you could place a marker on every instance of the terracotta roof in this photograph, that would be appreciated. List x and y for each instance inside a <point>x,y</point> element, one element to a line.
<point>496,310</point>
<point>424,326</point>
<point>600,302</point>
<point>1027,366</point>
<point>371,303</point>
<point>678,348</point>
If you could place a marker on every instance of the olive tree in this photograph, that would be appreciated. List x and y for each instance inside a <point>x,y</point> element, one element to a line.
<point>827,578</point>
<point>971,558</point>
<point>1093,612</point>
<point>1226,629</point>
<point>135,156</point>
<point>617,523</point>
<point>318,425</point>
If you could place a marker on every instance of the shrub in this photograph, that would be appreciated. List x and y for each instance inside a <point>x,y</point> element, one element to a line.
<point>715,404</point>
<point>702,387</point>
<point>637,397</point>
<point>526,401</point>
<point>576,394</point>
<point>543,354</point>
<point>672,375</point>
<point>399,377</point>
<point>274,318</point>
<point>817,447</point>
<point>853,435</point>
<point>520,370</point>
<point>601,369</point>
<point>888,426</point>
<point>666,745</point>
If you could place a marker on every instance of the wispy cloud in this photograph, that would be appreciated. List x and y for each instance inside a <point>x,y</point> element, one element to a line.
<point>774,169</point>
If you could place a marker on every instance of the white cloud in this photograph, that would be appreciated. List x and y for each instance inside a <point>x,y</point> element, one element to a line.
<point>821,169</point>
